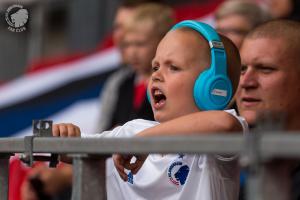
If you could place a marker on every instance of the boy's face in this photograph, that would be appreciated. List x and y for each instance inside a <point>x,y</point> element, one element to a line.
<point>269,79</point>
<point>139,48</point>
<point>179,59</point>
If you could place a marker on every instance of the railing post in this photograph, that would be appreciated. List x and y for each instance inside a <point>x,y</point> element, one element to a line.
<point>267,177</point>
<point>4,173</point>
<point>89,177</point>
<point>277,180</point>
<point>251,161</point>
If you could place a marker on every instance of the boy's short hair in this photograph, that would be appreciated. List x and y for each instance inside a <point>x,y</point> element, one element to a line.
<point>148,14</point>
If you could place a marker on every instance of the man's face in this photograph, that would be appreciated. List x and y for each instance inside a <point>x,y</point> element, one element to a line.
<point>178,61</point>
<point>269,80</point>
<point>139,48</point>
<point>235,27</point>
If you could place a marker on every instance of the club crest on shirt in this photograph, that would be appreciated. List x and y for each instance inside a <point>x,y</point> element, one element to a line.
<point>130,178</point>
<point>178,172</point>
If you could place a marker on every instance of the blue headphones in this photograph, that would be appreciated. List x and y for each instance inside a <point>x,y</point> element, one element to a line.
<point>212,88</point>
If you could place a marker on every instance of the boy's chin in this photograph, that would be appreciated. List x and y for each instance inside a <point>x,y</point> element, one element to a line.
<point>161,118</point>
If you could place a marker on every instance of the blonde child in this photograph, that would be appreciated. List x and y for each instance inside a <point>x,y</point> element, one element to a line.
<point>188,51</point>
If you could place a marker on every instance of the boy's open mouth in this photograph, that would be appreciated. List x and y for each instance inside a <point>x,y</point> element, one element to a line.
<point>158,96</point>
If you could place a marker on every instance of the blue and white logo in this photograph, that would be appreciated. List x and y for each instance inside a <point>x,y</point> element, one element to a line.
<point>130,178</point>
<point>178,172</point>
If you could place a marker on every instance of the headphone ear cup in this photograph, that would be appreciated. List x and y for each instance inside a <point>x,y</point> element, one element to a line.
<point>212,92</point>
<point>199,90</point>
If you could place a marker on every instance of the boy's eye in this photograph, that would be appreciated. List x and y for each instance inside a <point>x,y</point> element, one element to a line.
<point>174,68</point>
<point>155,68</point>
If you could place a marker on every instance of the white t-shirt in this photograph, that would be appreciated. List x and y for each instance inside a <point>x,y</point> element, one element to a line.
<point>174,176</point>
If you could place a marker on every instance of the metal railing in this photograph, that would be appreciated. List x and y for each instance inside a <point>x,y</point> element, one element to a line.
<point>89,155</point>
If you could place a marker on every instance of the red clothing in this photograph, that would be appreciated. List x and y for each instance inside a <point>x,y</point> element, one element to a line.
<point>17,174</point>
<point>140,91</point>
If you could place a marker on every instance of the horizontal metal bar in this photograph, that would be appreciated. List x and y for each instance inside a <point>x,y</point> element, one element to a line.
<point>203,144</point>
<point>281,144</point>
<point>12,145</point>
<point>284,145</point>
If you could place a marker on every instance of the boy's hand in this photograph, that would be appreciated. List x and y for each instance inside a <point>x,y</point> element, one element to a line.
<point>122,162</point>
<point>65,130</point>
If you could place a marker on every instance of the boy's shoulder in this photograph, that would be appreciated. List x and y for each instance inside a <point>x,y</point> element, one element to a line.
<point>131,128</point>
<point>140,124</point>
<point>241,119</point>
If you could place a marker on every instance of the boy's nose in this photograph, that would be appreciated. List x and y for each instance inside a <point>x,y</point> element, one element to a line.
<point>157,75</point>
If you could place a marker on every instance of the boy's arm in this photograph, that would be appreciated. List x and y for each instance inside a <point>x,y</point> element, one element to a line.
<point>196,123</point>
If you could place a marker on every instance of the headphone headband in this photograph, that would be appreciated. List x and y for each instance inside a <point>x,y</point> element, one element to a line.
<point>212,88</point>
<point>217,51</point>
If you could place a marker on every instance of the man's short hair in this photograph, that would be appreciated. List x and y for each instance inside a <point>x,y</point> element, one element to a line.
<point>286,30</point>
<point>275,29</point>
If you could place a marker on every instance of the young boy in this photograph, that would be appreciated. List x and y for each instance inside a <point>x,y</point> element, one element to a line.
<point>181,57</point>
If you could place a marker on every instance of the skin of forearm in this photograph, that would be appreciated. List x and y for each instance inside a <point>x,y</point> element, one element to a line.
<point>196,123</point>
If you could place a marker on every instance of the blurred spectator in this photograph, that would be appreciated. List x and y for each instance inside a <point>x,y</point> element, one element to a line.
<point>123,14</point>
<point>53,183</point>
<point>109,94</point>
<point>235,18</point>
<point>284,9</point>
